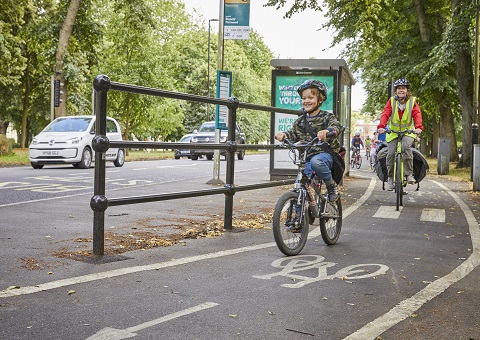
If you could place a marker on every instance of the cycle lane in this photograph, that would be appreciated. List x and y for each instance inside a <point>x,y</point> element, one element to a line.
<point>329,299</point>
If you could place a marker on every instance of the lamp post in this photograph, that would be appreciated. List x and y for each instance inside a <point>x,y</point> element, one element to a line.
<point>208,63</point>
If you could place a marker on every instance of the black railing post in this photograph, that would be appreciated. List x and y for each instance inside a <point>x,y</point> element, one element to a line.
<point>230,171</point>
<point>100,144</point>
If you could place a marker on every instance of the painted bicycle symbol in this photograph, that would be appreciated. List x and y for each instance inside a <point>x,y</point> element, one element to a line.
<point>293,266</point>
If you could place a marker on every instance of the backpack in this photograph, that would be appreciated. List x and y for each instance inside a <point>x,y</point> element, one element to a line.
<point>338,167</point>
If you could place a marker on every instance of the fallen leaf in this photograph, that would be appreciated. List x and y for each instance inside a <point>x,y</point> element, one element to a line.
<point>13,287</point>
<point>232,315</point>
<point>70,292</point>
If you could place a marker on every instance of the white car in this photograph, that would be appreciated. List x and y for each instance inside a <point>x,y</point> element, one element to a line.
<point>68,140</point>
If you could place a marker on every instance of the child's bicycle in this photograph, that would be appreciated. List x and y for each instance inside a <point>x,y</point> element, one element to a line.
<point>298,208</point>
<point>356,160</point>
<point>399,179</point>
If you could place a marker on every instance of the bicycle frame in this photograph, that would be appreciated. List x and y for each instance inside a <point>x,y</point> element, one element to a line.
<point>298,208</point>
<point>399,179</point>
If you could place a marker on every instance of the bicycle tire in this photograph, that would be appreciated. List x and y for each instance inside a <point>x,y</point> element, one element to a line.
<point>288,242</point>
<point>331,221</point>
<point>359,162</point>
<point>398,181</point>
<point>352,163</point>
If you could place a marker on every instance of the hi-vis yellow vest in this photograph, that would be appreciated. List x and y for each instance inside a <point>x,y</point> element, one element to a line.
<point>397,124</point>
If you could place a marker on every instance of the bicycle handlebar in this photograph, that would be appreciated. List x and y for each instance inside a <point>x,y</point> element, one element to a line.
<point>399,132</point>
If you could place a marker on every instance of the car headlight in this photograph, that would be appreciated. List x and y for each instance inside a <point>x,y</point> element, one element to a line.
<point>223,139</point>
<point>194,140</point>
<point>35,141</point>
<point>75,140</point>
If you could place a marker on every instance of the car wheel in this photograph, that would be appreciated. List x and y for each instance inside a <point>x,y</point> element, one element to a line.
<point>209,157</point>
<point>120,158</point>
<point>194,157</point>
<point>177,157</point>
<point>86,159</point>
<point>36,166</point>
<point>241,155</point>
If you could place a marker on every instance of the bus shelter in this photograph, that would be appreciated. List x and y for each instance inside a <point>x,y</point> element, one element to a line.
<point>287,76</point>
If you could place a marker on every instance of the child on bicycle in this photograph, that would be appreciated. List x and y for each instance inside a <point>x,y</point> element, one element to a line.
<point>356,143</point>
<point>316,123</point>
<point>401,112</point>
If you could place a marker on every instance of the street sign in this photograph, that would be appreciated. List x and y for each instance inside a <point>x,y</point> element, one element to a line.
<point>224,90</point>
<point>237,19</point>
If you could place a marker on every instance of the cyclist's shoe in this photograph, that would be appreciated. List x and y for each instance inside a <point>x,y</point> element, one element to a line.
<point>332,191</point>
<point>410,179</point>
<point>390,184</point>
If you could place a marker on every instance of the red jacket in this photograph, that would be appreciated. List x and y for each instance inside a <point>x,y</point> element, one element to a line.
<point>387,112</point>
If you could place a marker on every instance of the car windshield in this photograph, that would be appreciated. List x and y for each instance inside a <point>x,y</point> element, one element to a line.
<point>68,124</point>
<point>207,128</point>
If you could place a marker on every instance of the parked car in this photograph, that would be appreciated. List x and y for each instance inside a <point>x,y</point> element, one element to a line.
<point>183,152</point>
<point>206,134</point>
<point>68,140</point>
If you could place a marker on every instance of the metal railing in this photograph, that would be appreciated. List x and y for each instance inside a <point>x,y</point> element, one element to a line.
<point>99,202</point>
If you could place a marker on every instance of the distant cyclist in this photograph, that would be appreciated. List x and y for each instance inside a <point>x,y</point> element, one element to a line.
<point>368,143</point>
<point>356,143</point>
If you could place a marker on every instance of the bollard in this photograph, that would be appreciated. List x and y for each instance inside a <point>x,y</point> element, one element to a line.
<point>476,167</point>
<point>443,158</point>
<point>474,141</point>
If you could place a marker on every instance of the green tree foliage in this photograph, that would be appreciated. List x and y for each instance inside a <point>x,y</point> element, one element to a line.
<point>423,40</point>
<point>142,42</point>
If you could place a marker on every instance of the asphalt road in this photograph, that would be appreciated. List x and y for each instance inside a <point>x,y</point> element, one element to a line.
<point>411,274</point>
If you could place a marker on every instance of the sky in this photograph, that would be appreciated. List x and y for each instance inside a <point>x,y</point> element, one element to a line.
<point>298,37</point>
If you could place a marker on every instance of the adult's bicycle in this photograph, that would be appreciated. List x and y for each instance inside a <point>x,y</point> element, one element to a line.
<point>298,208</point>
<point>399,179</point>
<point>356,160</point>
<point>367,152</point>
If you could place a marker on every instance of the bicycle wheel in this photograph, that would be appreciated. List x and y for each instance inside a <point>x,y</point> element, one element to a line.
<point>287,217</point>
<point>331,221</point>
<point>367,154</point>
<point>359,162</point>
<point>398,181</point>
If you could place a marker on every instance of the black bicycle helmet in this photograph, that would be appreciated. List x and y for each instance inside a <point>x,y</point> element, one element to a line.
<point>312,83</point>
<point>401,82</point>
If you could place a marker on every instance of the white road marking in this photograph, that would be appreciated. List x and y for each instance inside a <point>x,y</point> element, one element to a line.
<point>172,263</point>
<point>117,334</point>
<point>386,211</point>
<point>433,215</point>
<point>406,307</point>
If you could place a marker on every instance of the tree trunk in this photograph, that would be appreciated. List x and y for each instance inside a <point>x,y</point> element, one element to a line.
<point>26,96</point>
<point>465,84</point>
<point>435,136</point>
<point>422,21</point>
<point>447,128</point>
<point>65,34</point>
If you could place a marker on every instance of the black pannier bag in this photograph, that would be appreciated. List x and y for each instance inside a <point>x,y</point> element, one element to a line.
<point>381,165</point>
<point>420,165</point>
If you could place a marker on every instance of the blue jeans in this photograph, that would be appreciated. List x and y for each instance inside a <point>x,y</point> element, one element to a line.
<point>322,164</point>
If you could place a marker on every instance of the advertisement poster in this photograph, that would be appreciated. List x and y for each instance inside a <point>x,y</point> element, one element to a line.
<point>287,97</point>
